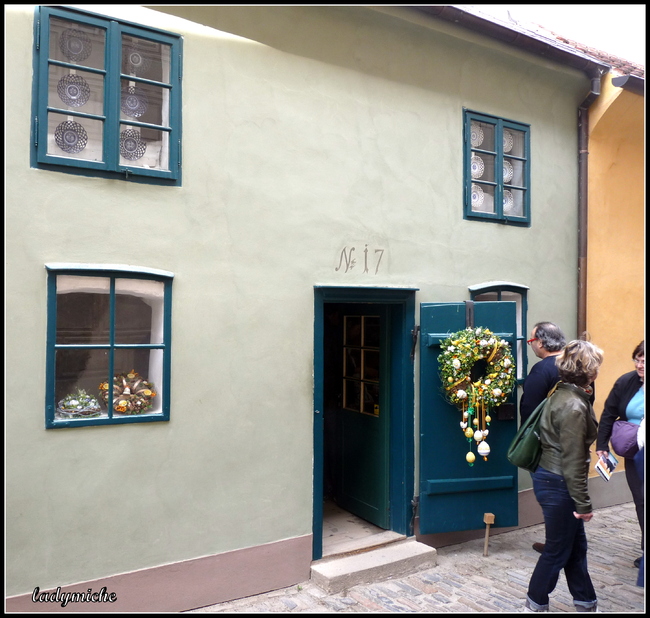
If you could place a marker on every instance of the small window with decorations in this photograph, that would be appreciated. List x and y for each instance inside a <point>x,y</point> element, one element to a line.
<point>496,169</point>
<point>108,345</point>
<point>107,97</point>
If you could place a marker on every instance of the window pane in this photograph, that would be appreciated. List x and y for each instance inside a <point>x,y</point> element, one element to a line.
<point>371,365</point>
<point>482,135</point>
<point>78,375</point>
<point>352,330</point>
<point>143,147</point>
<point>138,311</point>
<point>514,143</point>
<point>513,202</point>
<point>516,172</point>
<point>76,138</point>
<point>138,376</point>
<point>76,90</point>
<point>482,166</point>
<point>82,310</point>
<point>482,198</point>
<point>146,59</point>
<point>371,399</point>
<point>371,331</point>
<point>77,43</point>
<point>352,362</point>
<point>145,103</point>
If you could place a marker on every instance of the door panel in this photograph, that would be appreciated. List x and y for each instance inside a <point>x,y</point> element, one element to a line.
<point>360,416</point>
<point>453,495</point>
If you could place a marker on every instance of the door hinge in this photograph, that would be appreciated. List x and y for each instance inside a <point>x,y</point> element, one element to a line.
<point>415,502</point>
<point>469,314</point>
<point>414,337</point>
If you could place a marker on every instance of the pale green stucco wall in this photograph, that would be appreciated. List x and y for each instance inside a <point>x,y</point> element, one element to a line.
<point>341,127</point>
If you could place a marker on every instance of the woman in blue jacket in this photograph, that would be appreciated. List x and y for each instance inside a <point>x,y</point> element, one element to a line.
<point>626,402</point>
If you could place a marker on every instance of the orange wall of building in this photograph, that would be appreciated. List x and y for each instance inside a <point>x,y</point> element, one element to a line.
<point>616,237</point>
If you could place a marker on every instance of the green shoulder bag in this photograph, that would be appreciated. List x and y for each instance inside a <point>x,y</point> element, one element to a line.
<point>526,448</point>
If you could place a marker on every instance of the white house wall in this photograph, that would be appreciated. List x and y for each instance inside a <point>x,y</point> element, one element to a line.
<point>319,129</point>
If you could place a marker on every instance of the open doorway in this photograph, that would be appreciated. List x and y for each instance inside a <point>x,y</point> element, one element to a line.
<point>363,430</point>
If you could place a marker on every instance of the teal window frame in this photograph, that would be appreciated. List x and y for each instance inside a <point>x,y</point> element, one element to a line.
<point>508,291</point>
<point>110,347</point>
<point>497,185</point>
<point>109,120</point>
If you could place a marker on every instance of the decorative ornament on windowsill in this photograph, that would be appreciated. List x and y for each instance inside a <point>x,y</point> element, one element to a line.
<point>78,404</point>
<point>132,394</point>
<point>476,398</point>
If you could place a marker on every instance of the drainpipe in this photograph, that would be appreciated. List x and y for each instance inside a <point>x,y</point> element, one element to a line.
<point>583,201</point>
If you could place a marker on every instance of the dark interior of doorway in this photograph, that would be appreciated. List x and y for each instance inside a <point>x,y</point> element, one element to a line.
<point>343,531</point>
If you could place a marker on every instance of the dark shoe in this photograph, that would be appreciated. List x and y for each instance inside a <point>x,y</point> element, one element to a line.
<point>538,547</point>
<point>582,608</point>
<point>637,562</point>
<point>529,608</point>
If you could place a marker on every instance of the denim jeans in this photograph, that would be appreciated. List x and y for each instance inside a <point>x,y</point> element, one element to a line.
<point>565,548</point>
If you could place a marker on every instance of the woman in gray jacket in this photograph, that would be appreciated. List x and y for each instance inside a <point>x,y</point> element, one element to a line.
<point>568,428</point>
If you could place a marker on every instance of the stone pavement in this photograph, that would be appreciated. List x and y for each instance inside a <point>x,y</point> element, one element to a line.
<point>465,581</point>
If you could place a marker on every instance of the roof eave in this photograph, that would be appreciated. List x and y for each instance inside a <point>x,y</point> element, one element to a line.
<point>511,36</point>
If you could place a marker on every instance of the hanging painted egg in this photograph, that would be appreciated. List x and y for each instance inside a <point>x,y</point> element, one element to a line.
<point>469,432</point>
<point>483,449</point>
<point>470,457</point>
<point>478,435</point>
<point>488,418</point>
<point>475,421</point>
<point>463,425</point>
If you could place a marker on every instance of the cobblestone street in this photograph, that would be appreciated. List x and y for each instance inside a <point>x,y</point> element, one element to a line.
<point>465,581</point>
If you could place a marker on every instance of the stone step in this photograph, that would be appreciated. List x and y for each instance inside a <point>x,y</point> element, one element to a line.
<point>363,543</point>
<point>396,559</point>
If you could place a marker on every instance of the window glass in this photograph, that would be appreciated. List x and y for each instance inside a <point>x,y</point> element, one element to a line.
<point>496,179</point>
<point>108,97</point>
<point>519,297</point>
<point>108,326</point>
<point>361,364</point>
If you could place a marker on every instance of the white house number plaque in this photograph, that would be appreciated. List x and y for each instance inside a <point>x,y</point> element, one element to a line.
<point>371,260</point>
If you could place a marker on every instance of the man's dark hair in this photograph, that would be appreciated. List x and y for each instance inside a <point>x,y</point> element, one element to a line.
<point>550,336</point>
<point>639,350</point>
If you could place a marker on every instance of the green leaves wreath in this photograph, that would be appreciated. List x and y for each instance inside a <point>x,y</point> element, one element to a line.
<point>476,397</point>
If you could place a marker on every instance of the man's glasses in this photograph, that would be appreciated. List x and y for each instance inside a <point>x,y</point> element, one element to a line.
<point>531,340</point>
<point>639,361</point>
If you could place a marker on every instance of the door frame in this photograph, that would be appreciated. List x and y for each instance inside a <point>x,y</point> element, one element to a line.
<point>401,482</point>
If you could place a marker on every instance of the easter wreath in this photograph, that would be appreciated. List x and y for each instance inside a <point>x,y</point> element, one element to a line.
<point>476,398</point>
<point>132,394</point>
<point>78,404</point>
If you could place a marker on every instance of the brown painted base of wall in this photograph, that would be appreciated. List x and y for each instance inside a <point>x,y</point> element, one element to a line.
<point>602,494</point>
<point>187,585</point>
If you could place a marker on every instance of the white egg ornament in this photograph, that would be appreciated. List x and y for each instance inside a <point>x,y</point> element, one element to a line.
<point>484,450</point>
<point>478,435</point>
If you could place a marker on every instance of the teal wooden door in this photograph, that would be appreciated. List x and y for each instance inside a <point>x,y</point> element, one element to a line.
<point>453,495</point>
<point>361,463</point>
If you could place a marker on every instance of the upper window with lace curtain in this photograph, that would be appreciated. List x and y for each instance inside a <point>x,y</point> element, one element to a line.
<point>108,97</point>
<point>497,169</point>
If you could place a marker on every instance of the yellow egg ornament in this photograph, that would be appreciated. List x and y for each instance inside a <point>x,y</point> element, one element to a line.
<point>488,418</point>
<point>470,457</point>
<point>469,432</point>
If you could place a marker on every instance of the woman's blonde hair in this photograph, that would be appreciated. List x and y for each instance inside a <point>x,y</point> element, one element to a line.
<point>579,362</point>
